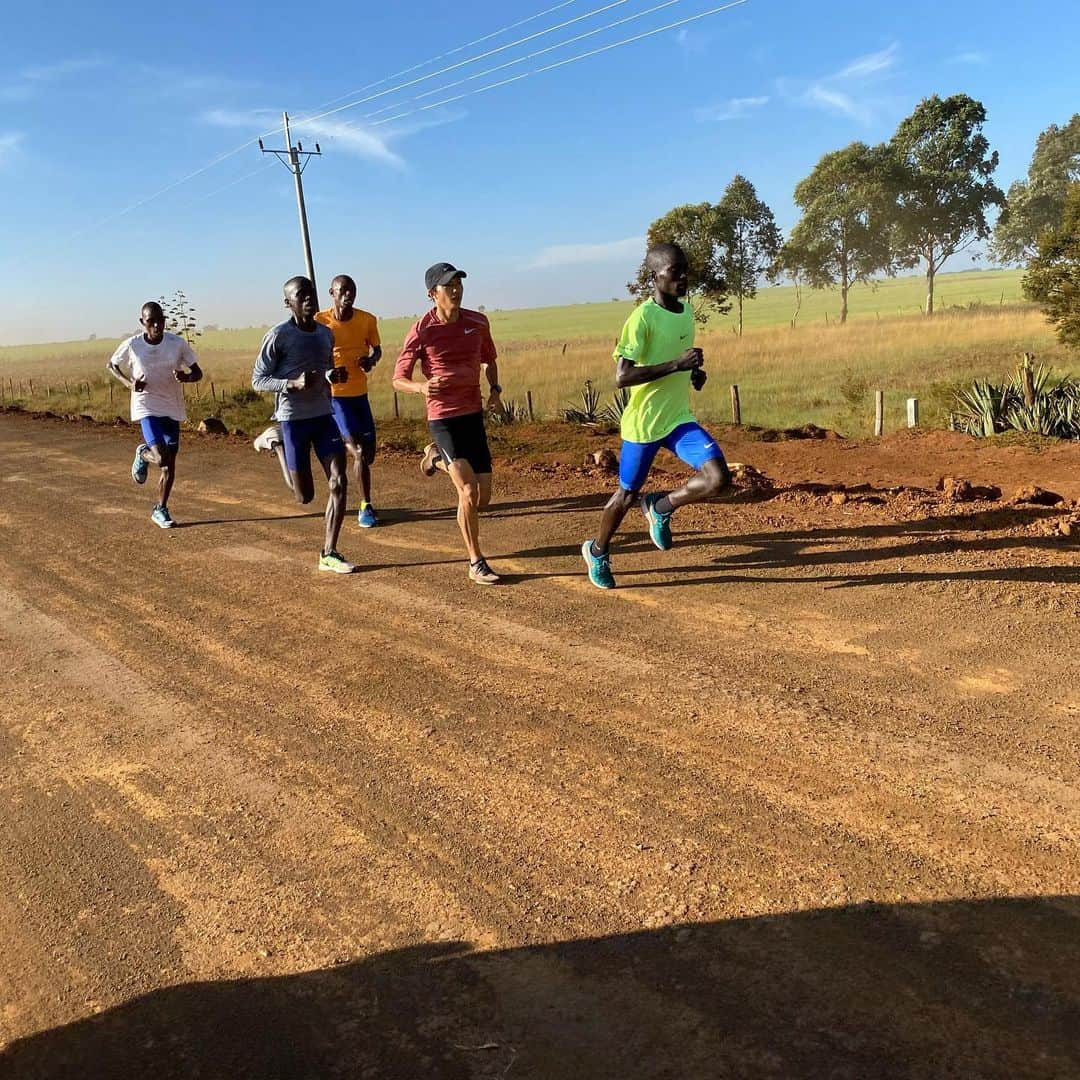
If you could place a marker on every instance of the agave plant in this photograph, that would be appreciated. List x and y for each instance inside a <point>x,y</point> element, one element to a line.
<point>981,408</point>
<point>617,406</point>
<point>987,408</point>
<point>589,413</point>
<point>509,412</point>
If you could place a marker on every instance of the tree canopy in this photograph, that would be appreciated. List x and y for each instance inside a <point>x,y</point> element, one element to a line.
<point>1037,204</point>
<point>843,235</point>
<point>944,183</point>
<point>702,233</point>
<point>753,241</point>
<point>1053,275</point>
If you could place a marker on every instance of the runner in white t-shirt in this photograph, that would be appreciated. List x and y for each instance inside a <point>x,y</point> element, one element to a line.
<point>152,365</point>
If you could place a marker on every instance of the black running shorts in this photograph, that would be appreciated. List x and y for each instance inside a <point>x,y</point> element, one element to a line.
<point>462,437</point>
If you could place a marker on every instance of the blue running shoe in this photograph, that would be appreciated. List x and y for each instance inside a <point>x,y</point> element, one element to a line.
<point>659,524</point>
<point>139,467</point>
<point>599,567</point>
<point>162,518</point>
<point>366,519</point>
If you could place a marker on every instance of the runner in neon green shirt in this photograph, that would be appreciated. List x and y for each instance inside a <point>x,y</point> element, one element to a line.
<point>658,362</point>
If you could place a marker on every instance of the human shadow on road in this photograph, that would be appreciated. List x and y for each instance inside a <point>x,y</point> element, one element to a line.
<point>979,988</point>
<point>559,505</point>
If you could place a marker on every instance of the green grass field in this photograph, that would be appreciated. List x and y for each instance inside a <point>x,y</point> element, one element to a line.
<point>818,372</point>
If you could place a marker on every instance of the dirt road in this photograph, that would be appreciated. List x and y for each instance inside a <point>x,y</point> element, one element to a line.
<point>799,799</point>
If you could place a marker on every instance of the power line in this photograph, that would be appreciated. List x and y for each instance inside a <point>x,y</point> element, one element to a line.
<point>462,63</point>
<point>530,56</point>
<point>457,97</point>
<point>252,142</point>
<point>451,52</point>
<point>562,63</point>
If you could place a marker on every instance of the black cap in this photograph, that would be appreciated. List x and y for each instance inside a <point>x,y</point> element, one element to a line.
<point>441,274</point>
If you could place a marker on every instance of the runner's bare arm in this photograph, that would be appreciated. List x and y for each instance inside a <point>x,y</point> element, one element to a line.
<point>627,373</point>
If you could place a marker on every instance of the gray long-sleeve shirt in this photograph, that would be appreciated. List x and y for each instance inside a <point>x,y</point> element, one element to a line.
<point>286,353</point>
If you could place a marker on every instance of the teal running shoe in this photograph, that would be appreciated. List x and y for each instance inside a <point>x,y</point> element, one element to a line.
<point>366,519</point>
<point>599,567</point>
<point>162,518</point>
<point>659,524</point>
<point>139,468</point>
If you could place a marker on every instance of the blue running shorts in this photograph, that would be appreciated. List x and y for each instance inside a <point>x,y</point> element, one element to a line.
<point>161,431</point>
<point>689,442</point>
<point>354,419</point>
<point>319,433</point>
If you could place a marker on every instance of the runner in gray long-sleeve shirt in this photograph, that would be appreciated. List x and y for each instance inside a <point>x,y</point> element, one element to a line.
<point>296,363</point>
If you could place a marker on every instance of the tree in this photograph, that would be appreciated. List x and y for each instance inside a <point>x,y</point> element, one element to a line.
<point>1036,205</point>
<point>753,241</point>
<point>944,183</point>
<point>703,235</point>
<point>798,265</point>
<point>843,235</point>
<point>1053,275</point>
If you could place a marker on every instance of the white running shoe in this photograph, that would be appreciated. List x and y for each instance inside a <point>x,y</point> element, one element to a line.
<point>270,438</point>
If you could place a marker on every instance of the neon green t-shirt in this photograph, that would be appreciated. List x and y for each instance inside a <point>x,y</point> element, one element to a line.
<point>654,335</point>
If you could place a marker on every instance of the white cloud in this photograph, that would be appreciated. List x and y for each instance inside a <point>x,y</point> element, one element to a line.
<point>51,72</point>
<point>838,101</point>
<point>9,145</point>
<point>732,109</point>
<point>578,254</point>
<point>871,64</point>
<point>28,82</point>
<point>850,91</point>
<point>368,141</point>
<point>973,56</point>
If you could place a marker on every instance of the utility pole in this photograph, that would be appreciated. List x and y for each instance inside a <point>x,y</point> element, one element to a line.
<point>295,159</point>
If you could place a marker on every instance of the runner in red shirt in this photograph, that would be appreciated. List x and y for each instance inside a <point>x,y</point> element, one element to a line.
<point>451,344</point>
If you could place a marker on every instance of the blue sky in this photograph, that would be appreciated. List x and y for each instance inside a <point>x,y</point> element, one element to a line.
<point>542,189</point>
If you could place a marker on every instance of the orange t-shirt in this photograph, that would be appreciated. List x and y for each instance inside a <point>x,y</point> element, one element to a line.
<point>353,342</point>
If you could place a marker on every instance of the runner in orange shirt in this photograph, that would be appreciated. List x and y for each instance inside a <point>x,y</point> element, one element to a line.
<point>357,349</point>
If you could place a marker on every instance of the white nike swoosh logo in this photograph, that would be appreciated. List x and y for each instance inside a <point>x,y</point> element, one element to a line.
<point>469,331</point>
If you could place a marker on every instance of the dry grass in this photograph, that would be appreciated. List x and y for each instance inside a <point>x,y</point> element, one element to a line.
<point>817,373</point>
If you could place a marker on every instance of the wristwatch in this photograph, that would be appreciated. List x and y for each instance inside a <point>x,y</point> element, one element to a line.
<point>495,388</point>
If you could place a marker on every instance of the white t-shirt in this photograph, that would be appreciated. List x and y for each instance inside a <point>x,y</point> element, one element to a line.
<point>163,395</point>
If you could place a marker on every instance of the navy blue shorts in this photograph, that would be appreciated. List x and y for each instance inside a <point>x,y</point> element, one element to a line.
<point>300,437</point>
<point>354,419</point>
<point>690,442</point>
<point>161,431</point>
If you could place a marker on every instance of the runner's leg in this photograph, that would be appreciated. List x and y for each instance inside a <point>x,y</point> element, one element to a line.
<point>338,484</point>
<point>695,446</point>
<point>468,517</point>
<point>635,461</point>
<point>363,464</point>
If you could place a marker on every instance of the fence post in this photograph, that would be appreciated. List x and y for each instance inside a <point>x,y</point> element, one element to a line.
<point>564,347</point>
<point>528,398</point>
<point>912,412</point>
<point>31,387</point>
<point>736,408</point>
<point>110,393</point>
<point>1029,380</point>
<point>67,389</point>
<point>879,412</point>
<point>397,412</point>
<point>213,393</point>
